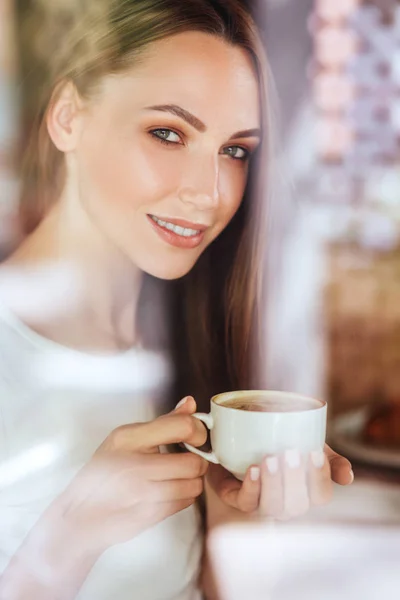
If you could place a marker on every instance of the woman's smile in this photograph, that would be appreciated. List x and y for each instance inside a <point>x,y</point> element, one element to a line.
<point>178,233</point>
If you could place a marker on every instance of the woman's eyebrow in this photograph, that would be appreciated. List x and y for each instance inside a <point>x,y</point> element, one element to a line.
<point>255,132</point>
<point>182,113</point>
<point>196,123</point>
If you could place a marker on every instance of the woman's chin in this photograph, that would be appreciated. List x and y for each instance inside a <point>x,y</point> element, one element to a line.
<point>163,270</point>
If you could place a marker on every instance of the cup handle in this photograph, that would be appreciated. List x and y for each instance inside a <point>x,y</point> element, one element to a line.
<point>208,422</point>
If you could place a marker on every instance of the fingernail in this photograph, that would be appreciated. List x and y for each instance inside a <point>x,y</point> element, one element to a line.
<point>182,402</point>
<point>272,464</point>
<point>352,476</point>
<point>255,473</point>
<point>318,458</point>
<point>292,458</point>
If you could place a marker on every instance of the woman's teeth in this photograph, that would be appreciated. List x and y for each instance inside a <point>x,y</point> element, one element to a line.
<point>184,232</point>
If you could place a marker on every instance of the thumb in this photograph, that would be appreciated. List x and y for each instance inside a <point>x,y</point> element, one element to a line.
<point>341,469</point>
<point>174,427</point>
<point>187,406</point>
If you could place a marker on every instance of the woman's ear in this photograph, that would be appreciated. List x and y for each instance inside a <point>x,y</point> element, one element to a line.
<point>63,117</point>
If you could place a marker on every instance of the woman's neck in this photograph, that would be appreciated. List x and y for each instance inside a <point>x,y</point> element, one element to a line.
<point>70,284</point>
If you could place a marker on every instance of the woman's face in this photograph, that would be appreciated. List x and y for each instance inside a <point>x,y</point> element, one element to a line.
<point>163,155</point>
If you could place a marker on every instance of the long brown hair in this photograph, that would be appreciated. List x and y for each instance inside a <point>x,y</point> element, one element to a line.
<point>215,308</point>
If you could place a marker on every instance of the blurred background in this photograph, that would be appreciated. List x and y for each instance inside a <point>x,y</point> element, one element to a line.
<point>334,320</point>
<point>9,121</point>
<point>337,68</point>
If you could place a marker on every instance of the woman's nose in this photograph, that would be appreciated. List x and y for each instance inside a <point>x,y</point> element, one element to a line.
<point>200,185</point>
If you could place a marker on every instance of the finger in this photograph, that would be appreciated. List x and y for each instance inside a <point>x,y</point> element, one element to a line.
<point>186,406</point>
<point>319,478</point>
<point>163,467</point>
<point>272,497</point>
<point>243,496</point>
<point>178,489</point>
<point>341,469</point>
<point>228,488</point>
<point>248,494</point>
<point>173,428</point>
<point>296,500</point>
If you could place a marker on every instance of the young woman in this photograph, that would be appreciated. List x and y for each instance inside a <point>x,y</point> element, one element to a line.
<point>144,201</point>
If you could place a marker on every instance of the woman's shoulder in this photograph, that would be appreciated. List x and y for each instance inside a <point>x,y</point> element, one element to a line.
<point>28,291</point>
<point>15,345</point>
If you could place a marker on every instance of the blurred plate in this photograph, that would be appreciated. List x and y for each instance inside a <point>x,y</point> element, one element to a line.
<point>346,437</point>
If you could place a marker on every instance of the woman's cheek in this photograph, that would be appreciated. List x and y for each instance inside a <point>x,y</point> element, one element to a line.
<point>231,189</point>
<point>156,168</point>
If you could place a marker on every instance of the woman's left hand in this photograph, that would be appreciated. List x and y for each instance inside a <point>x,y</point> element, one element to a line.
<point>283,487</point>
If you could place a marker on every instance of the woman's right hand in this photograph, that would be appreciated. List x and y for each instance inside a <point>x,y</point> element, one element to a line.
<point>129,486</point>
<point>125,488</point>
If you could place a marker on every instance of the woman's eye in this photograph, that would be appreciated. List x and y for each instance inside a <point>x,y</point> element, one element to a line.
<point>166,135</point>
<point>237,152</point>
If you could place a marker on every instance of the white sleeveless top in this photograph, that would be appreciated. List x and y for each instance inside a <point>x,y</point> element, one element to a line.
<point>57,405</point>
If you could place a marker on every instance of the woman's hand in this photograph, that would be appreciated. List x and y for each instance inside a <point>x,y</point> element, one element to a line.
<point>129,486</point>
<point>283,487</point>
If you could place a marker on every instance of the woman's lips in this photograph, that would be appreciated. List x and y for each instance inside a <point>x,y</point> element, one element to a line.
<point>174,239</point>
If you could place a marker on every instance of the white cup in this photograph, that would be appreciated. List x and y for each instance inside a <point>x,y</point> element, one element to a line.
<point>244,437</point>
